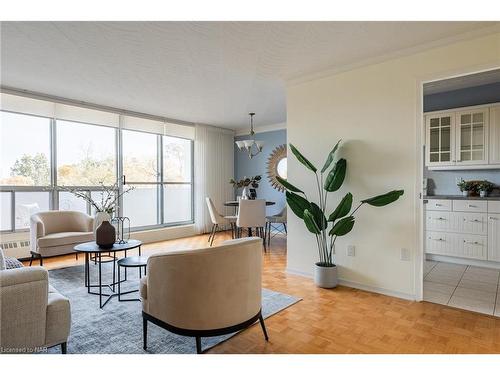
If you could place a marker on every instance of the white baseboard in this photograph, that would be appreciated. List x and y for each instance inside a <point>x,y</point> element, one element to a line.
<point>463,261</point>
<point>356,285</point>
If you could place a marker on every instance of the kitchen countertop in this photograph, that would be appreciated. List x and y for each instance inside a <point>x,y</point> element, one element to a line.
<point>461,197</point>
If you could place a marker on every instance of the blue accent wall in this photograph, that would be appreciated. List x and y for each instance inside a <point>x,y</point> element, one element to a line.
<point>444,182</point>
<point>244,166</point>
<point>477,95</point>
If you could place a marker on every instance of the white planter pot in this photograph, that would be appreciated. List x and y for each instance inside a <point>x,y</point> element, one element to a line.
<point>99,218</point>
<point>325,277</point>
<point>465,193</point>
<point>483,193</point>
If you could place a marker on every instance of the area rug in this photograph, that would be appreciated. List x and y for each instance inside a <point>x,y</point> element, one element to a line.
<point>117,327</point>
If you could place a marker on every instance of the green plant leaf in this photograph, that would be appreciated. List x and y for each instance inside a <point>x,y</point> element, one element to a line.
<point>319,216</point>
<point>302,159</point>
<point>342,209</point>
<point>343,226</point>
<point>310,221</point>
<point>336,176</point>
<point>330,157</point>
<point>288,185</point>
<point>297,204</point>
<point>384,199</point>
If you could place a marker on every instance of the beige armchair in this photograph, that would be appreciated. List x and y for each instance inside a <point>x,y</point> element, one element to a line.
<point>34,315</point>
<point>205,292</point>
<point>57,232</point>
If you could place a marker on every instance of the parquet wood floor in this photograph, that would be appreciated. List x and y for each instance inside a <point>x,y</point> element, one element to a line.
<point>344,320</point>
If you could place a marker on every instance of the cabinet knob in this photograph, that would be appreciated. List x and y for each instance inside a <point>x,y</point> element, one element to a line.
<point>492,218</point>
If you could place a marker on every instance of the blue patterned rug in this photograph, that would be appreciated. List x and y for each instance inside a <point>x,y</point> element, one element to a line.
<point>117,328</point>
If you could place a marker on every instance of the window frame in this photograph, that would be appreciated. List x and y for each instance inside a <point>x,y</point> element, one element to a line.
<point>54,189</point>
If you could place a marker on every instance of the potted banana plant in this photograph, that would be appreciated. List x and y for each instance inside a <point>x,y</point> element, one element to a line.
<point>340,221</point>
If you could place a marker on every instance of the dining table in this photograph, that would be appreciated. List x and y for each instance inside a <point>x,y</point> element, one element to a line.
<point>237,203</point>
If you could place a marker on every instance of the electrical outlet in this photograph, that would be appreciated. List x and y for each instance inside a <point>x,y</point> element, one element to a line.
<point>405,254</point>
<point>351,250</point>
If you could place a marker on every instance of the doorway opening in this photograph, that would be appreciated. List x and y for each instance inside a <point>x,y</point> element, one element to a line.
<point>461,192</point>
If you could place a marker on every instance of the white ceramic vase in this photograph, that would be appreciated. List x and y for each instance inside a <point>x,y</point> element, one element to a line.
<point>99,218</point>
<point>325,277</point>
<point>245,194</point>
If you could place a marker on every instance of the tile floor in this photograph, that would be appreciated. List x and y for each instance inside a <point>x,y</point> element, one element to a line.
<point>466,287</point>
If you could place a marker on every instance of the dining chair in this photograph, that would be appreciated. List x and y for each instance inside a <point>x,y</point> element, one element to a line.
<point>278,220</point>
<point>219,219</point>
<point>252,215</point>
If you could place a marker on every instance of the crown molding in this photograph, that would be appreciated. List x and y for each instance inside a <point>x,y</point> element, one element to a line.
<point>262,129</point>
<point>394,55</point>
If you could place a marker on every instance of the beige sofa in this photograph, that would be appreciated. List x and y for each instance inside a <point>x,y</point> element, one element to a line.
<point>57,232</point>
<point>206,292</point>
<point>33,315</point>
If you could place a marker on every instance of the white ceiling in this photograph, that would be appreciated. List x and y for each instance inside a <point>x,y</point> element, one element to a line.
<point>208,72</point>
<point>456,83</point>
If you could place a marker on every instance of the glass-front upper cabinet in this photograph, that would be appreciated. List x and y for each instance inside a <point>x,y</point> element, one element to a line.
<point>472,137</point>
<point>440,139</point>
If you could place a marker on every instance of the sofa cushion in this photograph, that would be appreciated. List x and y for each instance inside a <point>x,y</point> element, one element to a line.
<point>65,238</point>
<point>11,263</point>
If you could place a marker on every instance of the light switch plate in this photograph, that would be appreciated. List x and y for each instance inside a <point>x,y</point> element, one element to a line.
<point>405,254</point>
<point>351,250</point>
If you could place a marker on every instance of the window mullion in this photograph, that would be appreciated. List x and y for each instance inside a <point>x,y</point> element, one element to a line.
<point>161,191</point>
<point>54,200</point>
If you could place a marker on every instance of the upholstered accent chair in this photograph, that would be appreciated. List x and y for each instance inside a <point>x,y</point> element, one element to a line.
<point>204,292</point>
<point>33,315</point>
<point>57,232</point>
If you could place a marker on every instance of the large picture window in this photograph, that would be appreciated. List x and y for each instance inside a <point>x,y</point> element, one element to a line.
<point>25,150</point>
<point>85,154</point>
<point>42,157</point>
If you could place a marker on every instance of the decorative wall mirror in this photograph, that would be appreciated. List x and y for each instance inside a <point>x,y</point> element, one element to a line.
<point>277,166</point>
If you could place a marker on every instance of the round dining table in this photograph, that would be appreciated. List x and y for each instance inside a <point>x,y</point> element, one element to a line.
<point>237,203</point>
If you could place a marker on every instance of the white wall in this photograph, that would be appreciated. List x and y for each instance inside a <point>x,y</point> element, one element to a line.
<point>375,110</point>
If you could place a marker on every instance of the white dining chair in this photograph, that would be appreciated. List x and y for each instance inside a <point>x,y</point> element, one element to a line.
<point>219,219</point>
<point>252,215</point>
<point>276,222</point>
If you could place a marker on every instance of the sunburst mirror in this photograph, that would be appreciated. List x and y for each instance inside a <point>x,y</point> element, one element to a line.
<point>277,166</point>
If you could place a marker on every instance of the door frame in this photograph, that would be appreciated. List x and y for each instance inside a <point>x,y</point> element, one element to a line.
<point>420,137</point>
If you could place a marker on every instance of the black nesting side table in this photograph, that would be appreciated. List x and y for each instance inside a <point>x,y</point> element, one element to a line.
<point>130,262</point>
<point>90,248</point>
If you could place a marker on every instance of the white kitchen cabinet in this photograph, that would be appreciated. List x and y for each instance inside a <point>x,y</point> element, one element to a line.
<point>472,137</point>
<point>463,138</point>
<point>494,144</point>
<point>440,139</point>
<point>463,228</point>
<point>494,237</point>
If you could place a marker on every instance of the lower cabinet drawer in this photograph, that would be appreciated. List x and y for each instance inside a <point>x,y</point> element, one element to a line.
<point>456,222</point>
<point>472,246</point>
<point>456,244</point>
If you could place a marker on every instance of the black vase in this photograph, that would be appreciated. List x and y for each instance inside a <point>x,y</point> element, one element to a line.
<point>105,235</point>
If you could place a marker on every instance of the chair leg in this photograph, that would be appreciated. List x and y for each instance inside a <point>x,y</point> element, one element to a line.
<point>261,320</point>
<point>213,236</point>
<point>269,234</point>
<point>41,260</point>
<point>31,259</point>
<point>263,236</point>
<point>64,348</point>
<point>76,256</point>
<point>198,345</point>
<point>144,333</point>
<point>284,226</point>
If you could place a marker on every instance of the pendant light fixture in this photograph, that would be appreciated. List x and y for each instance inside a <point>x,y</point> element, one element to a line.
<point>248,144</point>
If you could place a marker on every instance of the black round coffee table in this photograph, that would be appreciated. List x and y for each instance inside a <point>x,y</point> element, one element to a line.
<point>90,248</point>
<point>130,262</point>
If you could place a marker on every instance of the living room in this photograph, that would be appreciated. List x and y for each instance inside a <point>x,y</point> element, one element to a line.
<point>246,187</point>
